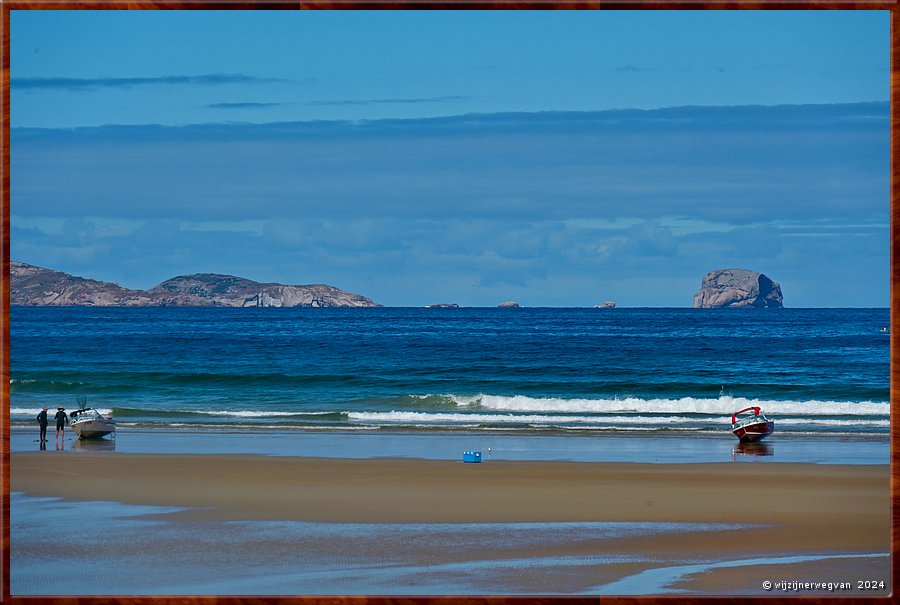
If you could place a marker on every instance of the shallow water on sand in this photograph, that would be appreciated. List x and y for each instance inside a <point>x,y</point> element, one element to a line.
<point>111,548</point>
<point>107,548</point>
<point>450,446</point>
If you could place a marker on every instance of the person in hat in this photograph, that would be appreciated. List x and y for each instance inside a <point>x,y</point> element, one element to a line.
<point>42,421</point>
<point>61,421</point>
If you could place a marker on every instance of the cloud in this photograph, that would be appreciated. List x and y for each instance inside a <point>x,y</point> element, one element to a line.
<point>474,262</point>
<point>83,84</point>
<point>733,165</point>
<point>245,105</point>
<point>408,101</point>
<point>633,69</point>
<point>550,208</point>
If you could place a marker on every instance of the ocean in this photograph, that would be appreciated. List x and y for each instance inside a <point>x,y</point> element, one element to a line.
<point>553,371</point>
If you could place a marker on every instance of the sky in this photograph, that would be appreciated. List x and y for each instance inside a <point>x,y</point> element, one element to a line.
<point>471,157</point>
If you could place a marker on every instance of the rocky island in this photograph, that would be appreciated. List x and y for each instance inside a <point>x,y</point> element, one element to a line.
<point>737,288</point>
<point>35,286</point>
<point>510,304</point>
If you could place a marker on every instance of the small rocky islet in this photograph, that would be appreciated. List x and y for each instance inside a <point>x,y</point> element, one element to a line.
<point>738,288</point>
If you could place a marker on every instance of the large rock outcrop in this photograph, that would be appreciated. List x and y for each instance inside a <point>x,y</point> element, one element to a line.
<point>230,291</point>
<point>737,288</point>
<point>35,286</point>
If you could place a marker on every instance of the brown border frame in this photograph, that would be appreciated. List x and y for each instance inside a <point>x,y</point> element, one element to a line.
<point>8,5</point>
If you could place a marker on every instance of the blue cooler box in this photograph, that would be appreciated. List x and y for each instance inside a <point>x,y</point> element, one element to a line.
<point>471,456</point>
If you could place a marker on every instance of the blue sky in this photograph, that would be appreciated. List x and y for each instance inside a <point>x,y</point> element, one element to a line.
<point>553,158</point>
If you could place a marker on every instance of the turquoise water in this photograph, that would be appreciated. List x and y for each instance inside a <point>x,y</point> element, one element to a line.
<point>623,371</point>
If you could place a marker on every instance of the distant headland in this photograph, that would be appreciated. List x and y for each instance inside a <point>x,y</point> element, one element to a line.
<point>36,286</point>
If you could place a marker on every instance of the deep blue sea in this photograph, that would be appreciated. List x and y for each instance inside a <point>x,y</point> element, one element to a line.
<point>634,371</point>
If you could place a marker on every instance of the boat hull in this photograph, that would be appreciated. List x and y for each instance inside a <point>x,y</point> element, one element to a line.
<point>757,431</point>
<point>94,429</point>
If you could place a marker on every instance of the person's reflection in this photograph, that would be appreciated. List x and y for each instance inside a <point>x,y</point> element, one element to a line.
<point>43,444</point>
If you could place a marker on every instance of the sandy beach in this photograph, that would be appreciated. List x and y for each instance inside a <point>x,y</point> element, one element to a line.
<point>773,510</point>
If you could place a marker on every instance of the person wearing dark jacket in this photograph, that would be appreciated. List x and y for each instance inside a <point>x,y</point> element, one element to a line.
<point>61,421</point>
<point>42,421</point>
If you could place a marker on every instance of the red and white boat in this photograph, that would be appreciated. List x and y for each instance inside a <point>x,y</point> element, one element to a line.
<point>752,426</point>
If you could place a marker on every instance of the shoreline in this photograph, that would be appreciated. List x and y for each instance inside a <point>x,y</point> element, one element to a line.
<point>655,433</point>
<point>496,446</point>
<point>673,515</point>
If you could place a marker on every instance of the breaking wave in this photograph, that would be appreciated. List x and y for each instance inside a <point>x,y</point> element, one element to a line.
<point>724,405</point>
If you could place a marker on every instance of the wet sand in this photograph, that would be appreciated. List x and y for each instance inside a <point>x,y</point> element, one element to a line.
<point>794,508</point>
<point>562,447</point>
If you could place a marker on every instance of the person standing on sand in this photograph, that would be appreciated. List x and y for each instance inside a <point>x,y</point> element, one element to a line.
<point>61,421</point>
<point>42,421</point>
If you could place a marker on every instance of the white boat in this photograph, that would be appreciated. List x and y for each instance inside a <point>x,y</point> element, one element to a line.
<point>88,423</point>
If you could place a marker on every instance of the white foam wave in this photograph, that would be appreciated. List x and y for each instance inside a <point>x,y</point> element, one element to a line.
<point>724,405</point>
<point>832,422</point>
<point>227,413</point>
<point>592,421</point>
<point>254,413</point>
<point>34,381</point>
<point>50,411</point>
<point>513,418</point>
